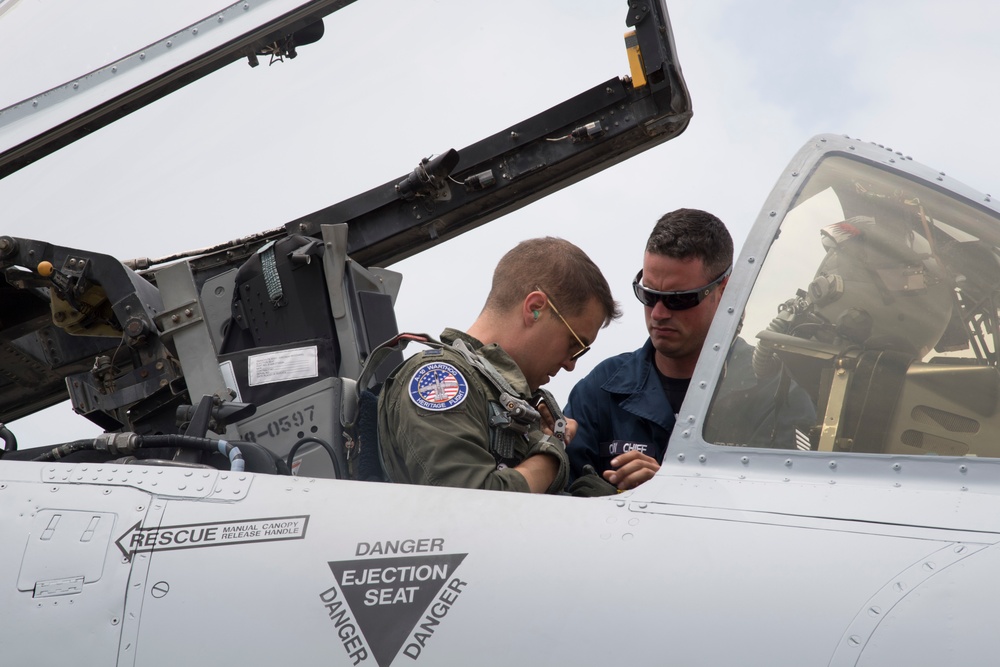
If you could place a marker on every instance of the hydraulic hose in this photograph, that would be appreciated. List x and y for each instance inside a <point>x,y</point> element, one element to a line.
<point>126,444</point>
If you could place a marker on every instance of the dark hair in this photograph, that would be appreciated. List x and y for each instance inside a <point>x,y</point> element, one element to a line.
<point>689,233</point>
<point>558,268</point>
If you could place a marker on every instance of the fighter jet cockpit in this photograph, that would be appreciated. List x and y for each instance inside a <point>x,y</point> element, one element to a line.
<point>872,325</point>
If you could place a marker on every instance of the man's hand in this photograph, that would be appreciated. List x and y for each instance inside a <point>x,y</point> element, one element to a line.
<point>571,426</point>
<point>631,469</point>
<point>549,424</point>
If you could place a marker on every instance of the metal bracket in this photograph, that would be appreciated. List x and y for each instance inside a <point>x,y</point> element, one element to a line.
<point>834,408</point>
<point>171,321</point>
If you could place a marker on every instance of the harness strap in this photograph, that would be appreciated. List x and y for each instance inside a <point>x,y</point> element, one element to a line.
<point>521,411</point>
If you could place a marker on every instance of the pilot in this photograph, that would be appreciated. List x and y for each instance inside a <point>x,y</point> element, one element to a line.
<point>627,405</point>
<point>467,414</point>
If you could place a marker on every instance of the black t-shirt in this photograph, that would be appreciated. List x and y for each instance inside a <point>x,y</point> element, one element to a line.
<point>674,389</point>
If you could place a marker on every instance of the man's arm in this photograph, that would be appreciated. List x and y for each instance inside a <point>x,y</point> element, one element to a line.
<point>539,471</point>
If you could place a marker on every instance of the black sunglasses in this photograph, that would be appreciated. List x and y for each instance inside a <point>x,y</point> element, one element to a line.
<point>675,300</point>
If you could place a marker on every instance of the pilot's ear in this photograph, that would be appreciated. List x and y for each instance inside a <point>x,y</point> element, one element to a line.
<point>532,306</point>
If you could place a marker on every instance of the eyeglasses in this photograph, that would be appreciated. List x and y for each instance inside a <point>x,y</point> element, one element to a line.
<point>584,349</point>
<point>675,300</point>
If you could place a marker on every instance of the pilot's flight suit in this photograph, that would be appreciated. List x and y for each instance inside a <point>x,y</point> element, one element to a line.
<point>434,415</point>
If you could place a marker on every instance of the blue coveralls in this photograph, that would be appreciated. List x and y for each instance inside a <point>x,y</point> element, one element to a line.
<point>621,404</point>
<point>621,399</point>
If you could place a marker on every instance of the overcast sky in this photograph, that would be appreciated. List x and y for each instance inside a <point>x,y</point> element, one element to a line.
<point>394,81</point>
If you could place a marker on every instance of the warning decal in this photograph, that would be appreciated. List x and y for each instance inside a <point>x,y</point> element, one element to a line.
<point>217,533</point>
<point>394,601</point>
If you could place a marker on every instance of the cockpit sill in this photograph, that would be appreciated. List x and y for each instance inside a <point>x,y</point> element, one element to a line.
<point>954,492</point>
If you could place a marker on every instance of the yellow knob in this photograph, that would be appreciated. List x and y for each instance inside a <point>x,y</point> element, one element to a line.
<point>45,269</point>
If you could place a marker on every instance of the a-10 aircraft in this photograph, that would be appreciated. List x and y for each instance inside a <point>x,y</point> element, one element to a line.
<point>215,521</point>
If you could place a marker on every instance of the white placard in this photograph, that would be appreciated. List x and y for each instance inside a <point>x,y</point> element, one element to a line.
<point>284,365</point>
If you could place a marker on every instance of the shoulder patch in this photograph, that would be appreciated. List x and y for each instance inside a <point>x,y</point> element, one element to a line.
<point>438,386</point>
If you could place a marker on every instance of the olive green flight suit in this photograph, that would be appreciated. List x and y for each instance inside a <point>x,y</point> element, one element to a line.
<point>449,442</point>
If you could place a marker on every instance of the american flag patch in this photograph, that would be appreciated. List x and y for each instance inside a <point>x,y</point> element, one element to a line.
<point>438,386</point>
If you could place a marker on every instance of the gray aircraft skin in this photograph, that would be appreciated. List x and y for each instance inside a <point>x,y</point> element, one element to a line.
<point>868,537</point>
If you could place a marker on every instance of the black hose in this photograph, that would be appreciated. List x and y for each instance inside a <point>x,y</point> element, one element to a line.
<point>65,449</point>
<point>9,439</point>
<point>224,447</point>
<point>167,463</point>
<point>126,443</point>
<point>322,443</point>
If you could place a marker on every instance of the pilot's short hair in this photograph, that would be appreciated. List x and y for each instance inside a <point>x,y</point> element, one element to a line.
<point>557,267</point>
<point>689,233</point>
